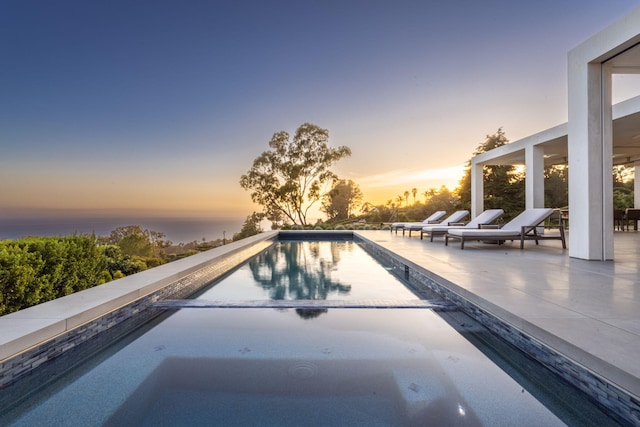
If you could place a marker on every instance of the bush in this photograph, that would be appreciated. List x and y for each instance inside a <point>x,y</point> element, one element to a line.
<point>38,269</point>
<point>622,198</point>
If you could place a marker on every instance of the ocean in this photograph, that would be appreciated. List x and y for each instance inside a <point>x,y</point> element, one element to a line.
<point>177,230</point>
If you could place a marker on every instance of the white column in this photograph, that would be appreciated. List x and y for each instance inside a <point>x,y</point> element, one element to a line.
<point>590,160</point>
<point>477,189</point>
<point>534,178</point>
<point>636,184</point>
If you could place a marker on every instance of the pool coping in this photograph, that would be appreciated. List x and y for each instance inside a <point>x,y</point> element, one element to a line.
<point>568,361</point>
<point>34,336</point>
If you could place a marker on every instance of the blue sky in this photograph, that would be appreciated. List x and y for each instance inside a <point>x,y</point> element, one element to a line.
<point>159,106</point>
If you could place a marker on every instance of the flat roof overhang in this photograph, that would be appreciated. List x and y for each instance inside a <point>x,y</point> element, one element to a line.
<point>554,141</point>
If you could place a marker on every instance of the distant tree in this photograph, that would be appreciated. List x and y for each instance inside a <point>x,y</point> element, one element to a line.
<point>503,185</point>
<point>623,187</point>
<point>406,197</point>
<point>367,207</point>
<point>377,213</point>
<point>393,210</point>
<point>622,198</point>
<point>342,200</point>
<point>157,241</point>
<point>371,213</point>
<point>136,245</point>
<point>250,227</point>
<point>287,180</point>
<point>122,232</point>
<point>414,191</point>
<point>441,200</point>
<point>142,244</point>
<point>556,187</point>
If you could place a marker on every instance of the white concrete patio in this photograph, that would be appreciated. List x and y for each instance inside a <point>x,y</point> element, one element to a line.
<point>586,310</point>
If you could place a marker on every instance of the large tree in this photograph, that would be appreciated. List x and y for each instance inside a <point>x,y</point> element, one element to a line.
<point>288,179</point>
<point>439,200</point>
<point>342,200</point>
<point>503,184</point>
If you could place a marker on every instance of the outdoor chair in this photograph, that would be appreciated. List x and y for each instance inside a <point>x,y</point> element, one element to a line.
<point>523,227</point>
<point>632,215</point>
<point>485,218</point>
<point>554,219</point>
<point>618,219</point>
<point>454,218</point>
<point>434,218</point>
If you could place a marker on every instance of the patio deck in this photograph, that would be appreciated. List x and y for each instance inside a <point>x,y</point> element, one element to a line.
<point>587,310</point>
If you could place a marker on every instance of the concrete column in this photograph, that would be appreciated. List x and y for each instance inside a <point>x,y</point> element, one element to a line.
<point>636,184</point>
<point>534,178</point>
<point>477,189</point>
<point>590,160</point>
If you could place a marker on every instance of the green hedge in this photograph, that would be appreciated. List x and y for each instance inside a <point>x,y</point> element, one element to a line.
<point>38,269</point>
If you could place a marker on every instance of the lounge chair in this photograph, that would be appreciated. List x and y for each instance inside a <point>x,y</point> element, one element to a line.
<point>454,218</point>
<point>523,227</point>
<point>485,218</point>
<point>434,218</point>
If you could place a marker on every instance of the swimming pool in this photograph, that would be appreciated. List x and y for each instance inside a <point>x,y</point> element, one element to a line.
<point>321,362</point>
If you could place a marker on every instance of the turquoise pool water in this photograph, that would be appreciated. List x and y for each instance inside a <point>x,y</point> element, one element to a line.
<point>312,366</point>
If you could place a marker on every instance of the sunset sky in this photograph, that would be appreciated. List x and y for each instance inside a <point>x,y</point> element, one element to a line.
<point>158,107</point>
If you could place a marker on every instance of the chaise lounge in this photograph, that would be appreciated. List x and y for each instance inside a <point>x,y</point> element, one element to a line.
<point>455,218</point>
<point>434,218</point>
<point>523,227</point>
<point>485,218</point>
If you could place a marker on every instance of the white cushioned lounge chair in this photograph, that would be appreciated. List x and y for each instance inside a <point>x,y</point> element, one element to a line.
<point>485,218</point>
<point>455,218</point>
<point>523,227</point>
<point>434,218</point>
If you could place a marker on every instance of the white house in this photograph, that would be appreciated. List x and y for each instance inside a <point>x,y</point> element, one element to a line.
<point>597,136</point>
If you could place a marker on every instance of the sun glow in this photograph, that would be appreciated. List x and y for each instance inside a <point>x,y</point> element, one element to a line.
<point>381,187</point>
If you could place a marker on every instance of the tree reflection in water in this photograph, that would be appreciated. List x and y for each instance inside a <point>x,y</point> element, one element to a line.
<point>310,313</point>
<point>299,270</point>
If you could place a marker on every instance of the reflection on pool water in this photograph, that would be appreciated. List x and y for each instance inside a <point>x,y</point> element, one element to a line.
<point>262,366</point>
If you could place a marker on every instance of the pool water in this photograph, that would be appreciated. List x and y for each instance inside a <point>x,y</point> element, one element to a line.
<point>307,366</point>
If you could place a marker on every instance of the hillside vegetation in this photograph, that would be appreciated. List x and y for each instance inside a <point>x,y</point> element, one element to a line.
<point>34,270</point>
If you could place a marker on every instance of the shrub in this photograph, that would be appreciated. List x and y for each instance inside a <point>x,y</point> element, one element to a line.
<point>38,269</point>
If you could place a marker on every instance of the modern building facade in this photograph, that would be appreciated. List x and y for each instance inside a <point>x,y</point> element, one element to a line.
<point>597,136</point>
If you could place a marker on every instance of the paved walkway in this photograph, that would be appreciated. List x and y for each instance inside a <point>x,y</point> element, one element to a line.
<point>587,310</point>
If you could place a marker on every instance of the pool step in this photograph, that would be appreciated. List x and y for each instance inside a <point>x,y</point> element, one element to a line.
<point>315,304</point>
